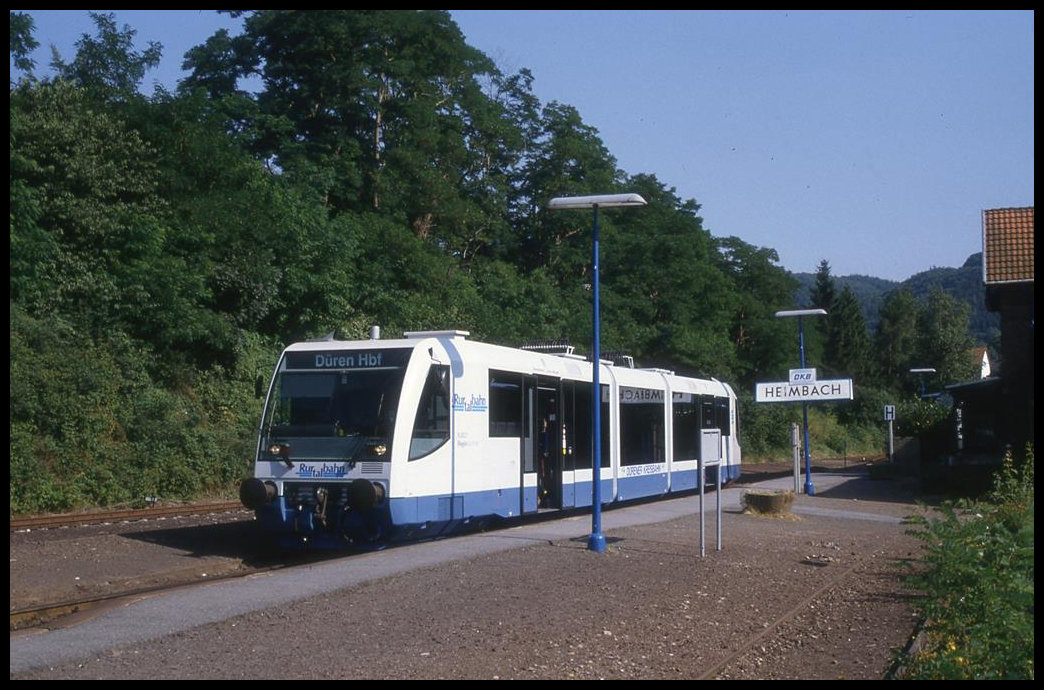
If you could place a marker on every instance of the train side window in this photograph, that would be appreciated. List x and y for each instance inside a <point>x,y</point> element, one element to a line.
<point>431,425</point>
<point>721,408</point>
<point>641,426</point>
<point>686,426</point>
<point>505,404</point>
<point>708,415</point>
<point>582,433</point>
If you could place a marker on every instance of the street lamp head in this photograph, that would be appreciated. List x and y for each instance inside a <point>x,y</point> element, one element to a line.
<point>801,312</point>
<point>599,200</point>
<point>926,370</point>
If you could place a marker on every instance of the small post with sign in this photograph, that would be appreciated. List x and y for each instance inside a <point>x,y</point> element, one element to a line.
<point>889,415</point>
<point>709,456</point>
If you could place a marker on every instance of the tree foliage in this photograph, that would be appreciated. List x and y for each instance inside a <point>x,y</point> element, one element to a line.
<point>848,345</point>
<point>818,329</point>
<point>895,342</point>
<point>755,332</point>
<point>90,233</point>
<point>945,342</point>
<point>107,64</point>
<point>22,41</point>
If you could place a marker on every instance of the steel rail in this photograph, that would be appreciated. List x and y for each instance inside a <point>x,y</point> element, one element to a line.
<point>124,515</point>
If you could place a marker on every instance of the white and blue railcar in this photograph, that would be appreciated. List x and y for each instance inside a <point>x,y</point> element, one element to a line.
<point>371,441</point>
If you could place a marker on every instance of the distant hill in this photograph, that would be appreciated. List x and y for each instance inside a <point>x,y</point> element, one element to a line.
<point>964,284</point>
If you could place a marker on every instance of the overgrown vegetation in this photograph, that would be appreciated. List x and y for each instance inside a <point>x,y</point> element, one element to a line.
<point>164,247</point>
<point>975,582</point>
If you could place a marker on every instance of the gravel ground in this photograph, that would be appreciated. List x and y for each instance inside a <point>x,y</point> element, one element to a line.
<point>815,594</point>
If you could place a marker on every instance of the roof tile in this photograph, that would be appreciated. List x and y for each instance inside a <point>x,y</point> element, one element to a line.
<point>1007,245</point>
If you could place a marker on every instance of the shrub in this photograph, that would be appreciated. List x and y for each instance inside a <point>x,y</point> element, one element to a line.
<point>976,585</point>
<point>91,426</point>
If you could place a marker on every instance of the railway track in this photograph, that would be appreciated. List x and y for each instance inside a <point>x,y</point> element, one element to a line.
<point>125,515</point>
<point>59,613</point>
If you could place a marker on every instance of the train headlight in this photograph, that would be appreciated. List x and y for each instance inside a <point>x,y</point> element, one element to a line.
<point>378,449</point>
<point>282,451</point>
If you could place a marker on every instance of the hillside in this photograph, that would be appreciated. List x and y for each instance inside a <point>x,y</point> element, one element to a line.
<point>964,284</point>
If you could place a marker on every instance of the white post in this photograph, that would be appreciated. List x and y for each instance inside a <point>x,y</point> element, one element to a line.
<point>797,457</point>
<point>891,443</point>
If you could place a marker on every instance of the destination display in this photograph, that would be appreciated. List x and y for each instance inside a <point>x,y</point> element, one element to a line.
<point>340,360</point>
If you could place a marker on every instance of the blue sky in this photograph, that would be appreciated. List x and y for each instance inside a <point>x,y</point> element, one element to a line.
<point>871,139</point>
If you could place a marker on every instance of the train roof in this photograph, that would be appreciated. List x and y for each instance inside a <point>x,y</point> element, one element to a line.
<point>557,360</point>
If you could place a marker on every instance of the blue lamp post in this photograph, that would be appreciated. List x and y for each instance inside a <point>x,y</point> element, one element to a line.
<point>596,542</point>
<point>800,314</point>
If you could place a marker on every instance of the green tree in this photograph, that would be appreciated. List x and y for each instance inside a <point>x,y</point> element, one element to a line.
<point>895,342</point>
<point>516,307</point>
<point>406,284</point>
<point>824,291</point>
<point>521,115</point>
<point>22,42</point>
<point>848,347</point>
<point>945,343</point>
<point>762,342</point>
<point>569,159</point>
<point>272,259</point>
<point>664,300</point>
<point>107,64</point>
<point>90,236</point>
<point>823,295</point>
<point>368,106</point>
<point>217,65</point>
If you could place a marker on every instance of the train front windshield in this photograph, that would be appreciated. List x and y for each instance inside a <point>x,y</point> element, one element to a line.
<point>331,414</point>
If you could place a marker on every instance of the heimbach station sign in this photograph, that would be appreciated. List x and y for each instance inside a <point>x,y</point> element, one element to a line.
<point>838,389</point>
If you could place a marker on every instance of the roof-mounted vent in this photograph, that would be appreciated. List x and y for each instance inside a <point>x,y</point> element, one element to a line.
<point>555,346</point>
<point>416,335</point>
<point>619,359</point>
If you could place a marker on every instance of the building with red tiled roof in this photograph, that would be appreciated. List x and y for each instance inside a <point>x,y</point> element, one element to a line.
<point>1007,259</point>
<point>993,413</point>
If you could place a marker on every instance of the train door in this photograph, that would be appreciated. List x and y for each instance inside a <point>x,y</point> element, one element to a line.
<point>542,445</point>
<point>529,499</point>
<point>567,432</point>
<point>549,446</point>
